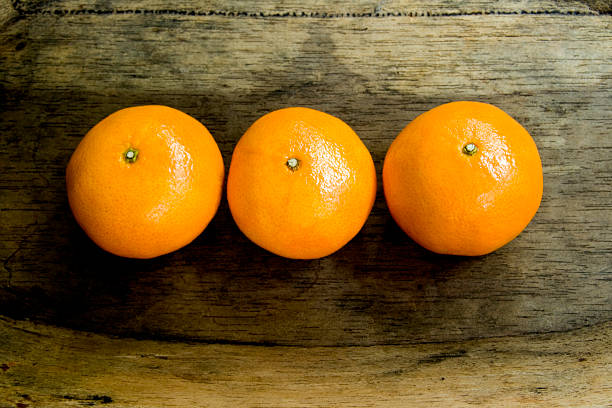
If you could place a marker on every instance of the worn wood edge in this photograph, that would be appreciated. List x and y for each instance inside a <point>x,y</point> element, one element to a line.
<point>52,367</point>
<point>314,8</point>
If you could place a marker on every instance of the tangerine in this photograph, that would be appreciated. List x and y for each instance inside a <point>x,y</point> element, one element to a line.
<point>145,181</point>
<point>301,183</point>
<point>464,178</point>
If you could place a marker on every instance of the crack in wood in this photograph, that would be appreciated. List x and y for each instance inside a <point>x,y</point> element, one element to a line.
<point>30,230</point>
<point>88,400</point>
<point>439,357</point>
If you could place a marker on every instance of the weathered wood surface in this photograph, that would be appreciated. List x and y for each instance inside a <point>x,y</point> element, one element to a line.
<point>50,367</point>
<point>61,73</point>
<point>64,65</point>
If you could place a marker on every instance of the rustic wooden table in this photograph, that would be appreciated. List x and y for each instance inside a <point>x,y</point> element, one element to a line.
<point>382,322</point>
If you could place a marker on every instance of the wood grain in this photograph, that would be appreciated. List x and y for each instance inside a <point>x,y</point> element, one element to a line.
<point>50,367</point>
<point>7,12</point>
<point>62,73</point>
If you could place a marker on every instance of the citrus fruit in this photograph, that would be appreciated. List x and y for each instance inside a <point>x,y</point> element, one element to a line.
<point>301,183</point>
<point>145,181</point>
<point>464,178</point>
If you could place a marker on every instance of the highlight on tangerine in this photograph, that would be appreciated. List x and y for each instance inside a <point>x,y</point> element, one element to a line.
<point>145,181</point>
<point>463,178</point>
<point>301,183</point>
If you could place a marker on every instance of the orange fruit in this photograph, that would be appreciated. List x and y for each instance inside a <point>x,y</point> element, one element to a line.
<point>301,183</point>
<point>464,178</point>
<point>145,181</point>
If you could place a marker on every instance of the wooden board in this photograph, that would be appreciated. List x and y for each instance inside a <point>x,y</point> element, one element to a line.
<point>63,73</point>
<point>555,370</point>
<point>65,65</point>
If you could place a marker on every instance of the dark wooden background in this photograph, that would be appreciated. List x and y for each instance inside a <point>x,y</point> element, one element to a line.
<point>65,65</point>
<point>63,72</point>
